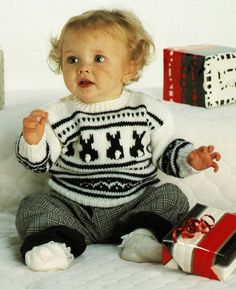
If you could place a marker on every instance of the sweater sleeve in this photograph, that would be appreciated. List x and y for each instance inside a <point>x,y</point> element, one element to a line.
<point>173,160</point>
<point>169,154</point>
<point>39,158</point>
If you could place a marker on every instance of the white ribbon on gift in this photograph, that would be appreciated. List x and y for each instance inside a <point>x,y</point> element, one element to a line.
<point>184,247</point>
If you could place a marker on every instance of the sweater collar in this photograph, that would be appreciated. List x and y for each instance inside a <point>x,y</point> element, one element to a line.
<point>103,106</point>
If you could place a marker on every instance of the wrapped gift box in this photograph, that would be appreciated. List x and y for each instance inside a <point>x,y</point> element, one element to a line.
<point>204,243</point>
<point>203,75</point>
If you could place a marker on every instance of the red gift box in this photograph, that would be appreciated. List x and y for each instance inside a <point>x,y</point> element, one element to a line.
<point>204,243</point>
<point>203,75</point>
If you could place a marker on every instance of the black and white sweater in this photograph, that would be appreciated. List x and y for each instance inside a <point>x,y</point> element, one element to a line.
<point>105,154</point>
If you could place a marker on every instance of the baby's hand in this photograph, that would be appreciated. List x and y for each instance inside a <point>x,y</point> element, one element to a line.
<point>34,125</point>
<point>203,158</point>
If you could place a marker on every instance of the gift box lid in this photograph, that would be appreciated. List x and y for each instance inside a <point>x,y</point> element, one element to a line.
<point>203,49</point>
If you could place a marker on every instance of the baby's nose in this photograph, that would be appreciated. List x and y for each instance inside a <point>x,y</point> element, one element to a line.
<point>83,68</point>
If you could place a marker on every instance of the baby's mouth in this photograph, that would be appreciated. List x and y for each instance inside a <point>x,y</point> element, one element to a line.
<point>85,83</point>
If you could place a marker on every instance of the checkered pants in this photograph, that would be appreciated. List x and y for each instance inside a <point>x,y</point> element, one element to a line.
<point>41,211</point>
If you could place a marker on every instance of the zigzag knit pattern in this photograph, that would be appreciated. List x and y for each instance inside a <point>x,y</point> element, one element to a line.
<point>105,154</point>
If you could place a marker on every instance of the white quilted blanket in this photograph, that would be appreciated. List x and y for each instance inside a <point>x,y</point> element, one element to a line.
<point>100,266</point>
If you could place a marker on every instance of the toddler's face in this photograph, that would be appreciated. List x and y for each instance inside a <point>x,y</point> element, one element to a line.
<point>94,64</point>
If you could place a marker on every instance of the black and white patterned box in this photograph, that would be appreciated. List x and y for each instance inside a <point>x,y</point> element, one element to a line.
<point>202,75</point>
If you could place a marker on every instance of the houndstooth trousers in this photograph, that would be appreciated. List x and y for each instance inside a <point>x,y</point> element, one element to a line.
<point>38,212</point>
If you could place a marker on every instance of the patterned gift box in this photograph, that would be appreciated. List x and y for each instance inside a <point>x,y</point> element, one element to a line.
<point>203,75</point>
<point>1,80</point>
<point>204,243</point>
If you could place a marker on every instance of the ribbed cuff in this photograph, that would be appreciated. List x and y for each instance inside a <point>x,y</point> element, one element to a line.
<point>184,168</point>
<point>34,153</point>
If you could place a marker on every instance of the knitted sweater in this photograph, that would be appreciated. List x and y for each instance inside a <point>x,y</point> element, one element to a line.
<point>104,154</point>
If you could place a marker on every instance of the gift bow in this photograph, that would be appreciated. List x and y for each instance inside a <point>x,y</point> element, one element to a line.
<point>192,226</point>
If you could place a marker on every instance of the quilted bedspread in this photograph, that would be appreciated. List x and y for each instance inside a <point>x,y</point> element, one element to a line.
<point>100,266</point>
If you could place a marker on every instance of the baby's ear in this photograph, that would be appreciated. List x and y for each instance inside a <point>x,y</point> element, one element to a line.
<point>130,72</point>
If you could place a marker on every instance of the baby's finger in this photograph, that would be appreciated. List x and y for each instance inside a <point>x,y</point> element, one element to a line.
<point>44,119</point>
<point>39,116</point>
<point>29,122</point>
<point>28,131</point>
<point>38,113</point>
<point>215,156</point>
<point>203,149</point>
<point>210,148</point>
<point>215,166</point>
<point>29,125</point>
<point>218,156</point>
<point>191,156</point>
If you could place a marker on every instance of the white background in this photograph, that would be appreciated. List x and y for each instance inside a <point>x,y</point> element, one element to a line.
<point>26,26</point>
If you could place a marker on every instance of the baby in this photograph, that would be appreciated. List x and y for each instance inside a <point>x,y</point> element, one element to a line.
<point>103,146</point>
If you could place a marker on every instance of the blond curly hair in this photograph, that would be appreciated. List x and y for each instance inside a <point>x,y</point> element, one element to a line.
<point>140,44</point>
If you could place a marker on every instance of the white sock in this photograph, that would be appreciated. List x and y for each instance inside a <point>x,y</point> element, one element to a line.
<point>141,246</point>
<point>51,256</point>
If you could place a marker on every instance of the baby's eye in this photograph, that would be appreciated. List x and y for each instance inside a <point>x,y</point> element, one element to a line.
<point>72,60</point>
<point>99,58</point>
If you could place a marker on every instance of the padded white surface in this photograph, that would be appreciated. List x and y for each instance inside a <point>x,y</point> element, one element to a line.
<point>100,265</point>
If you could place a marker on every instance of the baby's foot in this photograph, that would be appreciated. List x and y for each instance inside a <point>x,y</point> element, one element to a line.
<point>51,256</point>
<point>141,246</point>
